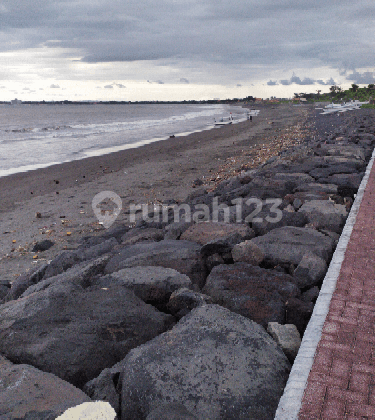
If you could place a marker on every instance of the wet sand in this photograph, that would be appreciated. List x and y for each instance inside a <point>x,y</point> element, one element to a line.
<point>157,172</point>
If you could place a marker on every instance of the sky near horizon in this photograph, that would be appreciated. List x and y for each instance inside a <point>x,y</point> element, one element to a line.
<point>182,49</point>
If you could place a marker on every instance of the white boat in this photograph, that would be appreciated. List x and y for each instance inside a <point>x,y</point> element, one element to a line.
<point>224,121</point>
<point>347,106</point>
<point>252,113</point>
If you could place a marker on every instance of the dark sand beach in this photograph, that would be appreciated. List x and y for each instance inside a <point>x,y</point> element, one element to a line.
<point>159,172</point>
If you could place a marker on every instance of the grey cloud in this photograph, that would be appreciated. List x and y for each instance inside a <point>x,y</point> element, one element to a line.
<point>331,82</point>
<point>231,34</point>
<point>305,81</point>
<point>183,80</point>
<point>119,85</point>
<point>108,87</point>
<point>53,86</point>
<point>366,78</point>
<point>271,83</point>
<point>239,85</point>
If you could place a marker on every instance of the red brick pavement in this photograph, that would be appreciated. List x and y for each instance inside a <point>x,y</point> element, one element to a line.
<point>341,383</point>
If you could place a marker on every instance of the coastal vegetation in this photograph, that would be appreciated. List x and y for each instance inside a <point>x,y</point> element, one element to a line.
<point>337,94</point>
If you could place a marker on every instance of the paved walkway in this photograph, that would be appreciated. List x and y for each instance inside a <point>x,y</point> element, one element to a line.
<point>341,382</point>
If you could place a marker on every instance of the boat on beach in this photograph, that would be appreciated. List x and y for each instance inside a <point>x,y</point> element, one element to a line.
<point>224,121</point>
<point>346,106</point>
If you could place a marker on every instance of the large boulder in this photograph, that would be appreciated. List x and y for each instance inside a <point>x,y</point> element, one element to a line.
<point>247,252</point>
<point>288,245</point>
<point>253,292</point>
<point>295,178</point>
<point>344,180</point>
<point>263,224</point>
<point>217,364</point>
<point>275,187</point>
<point>105,386</point>
<point>152,284</point>
<point>325,214</point>
<point>349,151</point>
<point>74,332</point>
<point>81,275</point>
<point>298,313</point>
<point>176,229</point>
<point>22,283</point>
<point>310,271</point>
<point>183,256</point>
<point>67,259</point>
<point>183,300</point>
<point>287,337</point>
<point>26,391</point>
<point>333,169</point>
<point>139,235</point>
<point>217,237</point>
<point>319,188</point>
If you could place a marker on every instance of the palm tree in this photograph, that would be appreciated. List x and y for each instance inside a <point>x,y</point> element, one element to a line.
<point>354,87</point>
<point>333,89</point>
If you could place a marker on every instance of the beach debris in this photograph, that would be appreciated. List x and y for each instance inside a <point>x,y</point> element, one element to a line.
<point>56,181</point>
<point>68,233</point>
<point>43,245</point>
<point>256,155</point>
<point>35,257</point>
<point>38,215</point>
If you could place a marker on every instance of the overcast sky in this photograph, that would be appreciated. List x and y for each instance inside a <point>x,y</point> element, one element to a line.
<point>182,49</point>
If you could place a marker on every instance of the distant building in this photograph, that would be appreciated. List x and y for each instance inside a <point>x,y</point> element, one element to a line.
<point>15,102</point>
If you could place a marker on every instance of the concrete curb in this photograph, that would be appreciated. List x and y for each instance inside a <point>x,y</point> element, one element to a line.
<point>291,400</point>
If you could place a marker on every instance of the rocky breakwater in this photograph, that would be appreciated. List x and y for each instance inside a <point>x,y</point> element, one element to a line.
<point>197,315</point>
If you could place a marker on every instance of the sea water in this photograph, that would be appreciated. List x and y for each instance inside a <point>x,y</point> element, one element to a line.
<point>37,136</point>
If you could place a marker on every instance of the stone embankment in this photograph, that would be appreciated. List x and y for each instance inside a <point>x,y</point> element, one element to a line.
<point>196,318</point>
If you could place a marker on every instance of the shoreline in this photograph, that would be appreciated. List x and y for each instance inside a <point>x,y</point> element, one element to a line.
<point>97,152</point>
<point>159,171</point>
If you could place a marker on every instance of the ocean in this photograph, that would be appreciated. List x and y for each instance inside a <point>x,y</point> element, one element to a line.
<point>37,136</point>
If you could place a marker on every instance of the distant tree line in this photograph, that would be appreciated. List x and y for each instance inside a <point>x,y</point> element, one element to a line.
<point>336,93</point>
